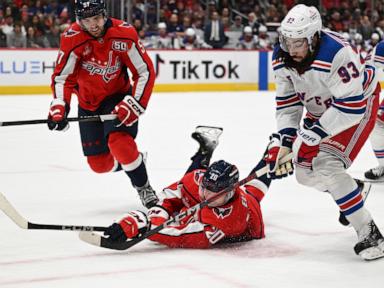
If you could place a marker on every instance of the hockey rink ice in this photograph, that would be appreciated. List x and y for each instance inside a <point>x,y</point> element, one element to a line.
<point>44,175</point>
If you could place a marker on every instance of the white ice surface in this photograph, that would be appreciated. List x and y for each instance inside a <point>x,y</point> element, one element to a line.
<point>44,175</point>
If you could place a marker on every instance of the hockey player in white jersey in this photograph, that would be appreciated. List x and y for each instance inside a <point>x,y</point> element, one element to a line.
<point>319,71</point>
<point>375,60</point>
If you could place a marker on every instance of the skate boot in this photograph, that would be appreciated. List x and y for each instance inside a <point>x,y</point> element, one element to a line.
<point>147,195</point>
<point>375,174</point>
<point>364,187</point>
<point>207,137</point>
<point>371,242</point>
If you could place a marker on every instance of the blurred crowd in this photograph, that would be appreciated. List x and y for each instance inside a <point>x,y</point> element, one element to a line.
<point>193,24</point>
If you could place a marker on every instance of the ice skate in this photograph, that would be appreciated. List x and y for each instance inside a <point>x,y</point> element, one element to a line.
<point>207,137</point>
<point>371,242</point>
<point>375,174</point>
<point>364,187</point>
<point>147,195</point>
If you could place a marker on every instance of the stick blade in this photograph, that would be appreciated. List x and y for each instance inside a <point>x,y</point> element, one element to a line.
<point>91,238</point>
<point>11,212</point>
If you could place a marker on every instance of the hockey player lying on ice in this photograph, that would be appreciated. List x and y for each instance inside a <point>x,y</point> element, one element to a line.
<point>234,217</point>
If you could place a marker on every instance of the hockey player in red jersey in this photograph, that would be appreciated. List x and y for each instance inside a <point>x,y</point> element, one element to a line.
<point>235,216</point>
<point>95,56</point>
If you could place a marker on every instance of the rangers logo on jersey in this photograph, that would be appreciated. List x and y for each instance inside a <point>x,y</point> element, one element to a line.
<point>221,213</point>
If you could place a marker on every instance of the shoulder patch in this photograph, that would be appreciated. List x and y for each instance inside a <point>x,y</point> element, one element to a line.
<point>125,24</point>
<point>70,33</point>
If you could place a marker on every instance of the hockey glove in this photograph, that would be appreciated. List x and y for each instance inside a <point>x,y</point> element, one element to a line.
<point>128,111</point>
<point>157,215</point>
<point>278,147</point>
<point>307,144</point>
<point>57,115</point>
<point>132,225</point>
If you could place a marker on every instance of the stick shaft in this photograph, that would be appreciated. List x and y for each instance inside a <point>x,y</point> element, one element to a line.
<point>20,221</point>
<point>101,118</point>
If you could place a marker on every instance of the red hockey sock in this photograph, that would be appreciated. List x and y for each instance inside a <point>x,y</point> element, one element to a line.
<point>123,147</point>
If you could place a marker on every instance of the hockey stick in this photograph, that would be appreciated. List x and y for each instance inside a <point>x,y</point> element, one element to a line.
<point>101,118</point>
<point>101,241</point>
<point>20,221</point>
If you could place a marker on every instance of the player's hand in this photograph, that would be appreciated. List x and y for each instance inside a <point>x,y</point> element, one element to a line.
<point>128,111</point>
<point>157,215</point>
<point>132,225</point>
<point>57,116</point>
<point>307,144</point>
<point>279,146</point>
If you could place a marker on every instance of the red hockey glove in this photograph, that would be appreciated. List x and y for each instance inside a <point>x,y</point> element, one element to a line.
<point>157,215</point>
<point>132,225</point>
<point>128,111</point>
<point>58,111</point>
<point>307,144</point>
<point>278,147</point>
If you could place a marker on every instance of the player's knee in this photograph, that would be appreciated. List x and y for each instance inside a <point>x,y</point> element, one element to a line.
<point>123,147</point>
<point>101,163</point>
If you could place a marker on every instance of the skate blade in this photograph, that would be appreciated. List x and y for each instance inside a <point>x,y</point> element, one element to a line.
<point>373,253</point>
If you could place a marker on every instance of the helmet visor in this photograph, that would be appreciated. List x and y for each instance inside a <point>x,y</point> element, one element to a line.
<point>293,44</point>
<point>206,194</point>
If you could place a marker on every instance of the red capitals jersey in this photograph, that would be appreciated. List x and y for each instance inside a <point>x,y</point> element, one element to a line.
<point>238,220</point>
<point>96,68</point>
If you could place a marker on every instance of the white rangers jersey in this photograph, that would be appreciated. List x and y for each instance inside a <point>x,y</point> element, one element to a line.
<point>331,89</point>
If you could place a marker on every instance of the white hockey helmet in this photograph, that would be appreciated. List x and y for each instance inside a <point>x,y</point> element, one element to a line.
<point>190,32</point>
<point>301,22</point>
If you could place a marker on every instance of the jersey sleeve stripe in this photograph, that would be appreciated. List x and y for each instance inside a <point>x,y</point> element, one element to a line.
<point>60,79</point>
<point>191,228</point>
<point>142,69</point>
<point>379,153</point>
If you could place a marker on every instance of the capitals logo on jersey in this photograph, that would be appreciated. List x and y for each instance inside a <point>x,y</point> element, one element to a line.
<point>221,213</point>
<point>107,69</point>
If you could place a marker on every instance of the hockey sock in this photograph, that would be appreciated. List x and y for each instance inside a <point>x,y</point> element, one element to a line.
<point>138,176</point>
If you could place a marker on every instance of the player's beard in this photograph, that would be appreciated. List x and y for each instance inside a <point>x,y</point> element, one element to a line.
<point>97,33</point>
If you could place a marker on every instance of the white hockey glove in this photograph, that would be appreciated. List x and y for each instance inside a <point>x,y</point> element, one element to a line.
<point>57,115</point>
<point>132,225</point>
<point>157,215</point>
<point>278,147</point>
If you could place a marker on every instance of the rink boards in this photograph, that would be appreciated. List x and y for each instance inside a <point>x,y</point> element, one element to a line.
<point>29,71</point>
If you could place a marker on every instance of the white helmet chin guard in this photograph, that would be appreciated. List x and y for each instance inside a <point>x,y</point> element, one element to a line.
<point>300,22</point>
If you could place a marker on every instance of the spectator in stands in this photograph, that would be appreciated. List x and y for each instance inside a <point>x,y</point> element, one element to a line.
<point>3,39</point>
<point>375,38</point>
<point>191,41</point>
<point>380,28</point>
<point>53,36</point>
<point>7,27</point>
<point>248,41</point>
<point>366,28</point>
<point>162,40</point>
<point>137,24</point>
<point>237,26</point>
<point>173,25</point>
<point>336,23</point>
<point>36,39</point>
<point>253,23</point>
<point>16,39</point>
<point>263,41</point>
<point>187,22</point>
<point>214,32</point>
